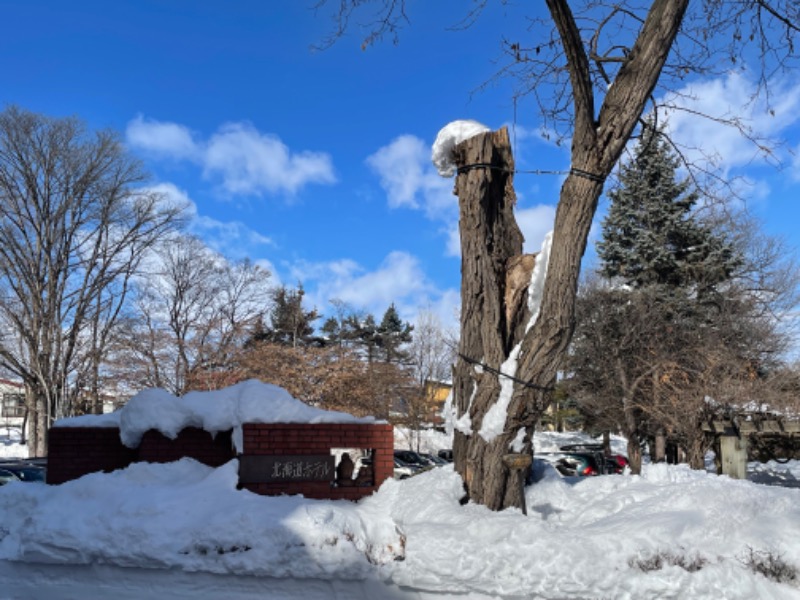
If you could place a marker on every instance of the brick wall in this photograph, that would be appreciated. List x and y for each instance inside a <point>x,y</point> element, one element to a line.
<point>277,439</point>
<point>77,451</point>
<point>191,442</point>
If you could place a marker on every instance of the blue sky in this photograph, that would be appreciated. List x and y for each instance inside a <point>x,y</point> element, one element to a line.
<point>316,163</point>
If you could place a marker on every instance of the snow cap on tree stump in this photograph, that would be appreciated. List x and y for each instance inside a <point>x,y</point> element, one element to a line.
<point>448,138</point>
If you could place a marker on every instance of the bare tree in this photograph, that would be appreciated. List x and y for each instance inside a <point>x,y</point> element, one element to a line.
<point>430,353</point>
<point>192,313</point>
<point>431,357</point>
<point>615,356</point>
<point>74,224</point>
<point>602,66</point>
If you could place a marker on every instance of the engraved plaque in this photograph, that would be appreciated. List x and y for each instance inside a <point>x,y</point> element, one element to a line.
<point>282,469</point>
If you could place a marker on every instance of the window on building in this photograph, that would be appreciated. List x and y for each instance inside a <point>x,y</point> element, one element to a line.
<point>13,405</point>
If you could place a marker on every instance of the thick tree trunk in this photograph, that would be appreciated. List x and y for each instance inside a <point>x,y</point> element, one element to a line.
<point>490,238</point>
<point>634,440</point>
<point>696,451</point>
<point>495,334</point>
<point>42,426</point>
<point>660,454</point>
<point>634,454</point>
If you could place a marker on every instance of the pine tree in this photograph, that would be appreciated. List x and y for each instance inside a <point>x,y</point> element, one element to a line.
<point>640,355</point>
<point>364,332</point>
<point>342,328</point>
<point>650,235</point>
<point>394,333</point>
<point>291,324</point>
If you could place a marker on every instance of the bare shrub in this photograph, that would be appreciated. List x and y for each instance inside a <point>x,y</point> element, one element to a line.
<point>657,560</point>
<point>769,564</point>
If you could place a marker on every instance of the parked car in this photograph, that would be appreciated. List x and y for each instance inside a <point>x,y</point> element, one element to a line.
<point>434,460</point>
<point>611,463</point>
<point>404,470</point>
<point>21,470</point>
<point>412,458</point>
<point>446,455</point>
<point>582,464</point>
<point>616,463</point>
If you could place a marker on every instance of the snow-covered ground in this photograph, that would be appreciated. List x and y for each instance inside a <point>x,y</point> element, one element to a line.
<point>184,530</point>
<point>10,446</point>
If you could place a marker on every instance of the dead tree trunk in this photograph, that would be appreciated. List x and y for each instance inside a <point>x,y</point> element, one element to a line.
<point>496,335</point>
<point>490,239</point>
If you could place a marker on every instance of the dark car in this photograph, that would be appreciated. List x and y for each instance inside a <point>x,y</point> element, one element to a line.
<point>21,471</point>
<point>611,463</point>
<point>581,464</point>
<point>412,458</point>
<point>433,459</point>
<point>446,455</point>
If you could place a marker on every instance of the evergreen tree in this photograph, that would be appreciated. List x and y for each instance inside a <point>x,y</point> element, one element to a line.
<point>291,324</point>
<point>365,334</point>
<point>393,334</point>
<point>650,235</point>
<point>340,329</point>
<point>643,358</point>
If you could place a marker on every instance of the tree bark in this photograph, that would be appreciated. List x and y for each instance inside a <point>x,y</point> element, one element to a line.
<point>660,446</point>
<point>634,454</point>
<point>490,237</point>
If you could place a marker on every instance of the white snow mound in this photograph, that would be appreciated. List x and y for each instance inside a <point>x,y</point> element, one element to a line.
<point>247,402</point>
<point>448,138</point>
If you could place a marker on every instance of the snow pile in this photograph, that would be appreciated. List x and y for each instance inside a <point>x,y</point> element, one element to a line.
<point>448,138</point>
<point>246,402</point>
<point>587,539</point>
<point>189,516</point>
<point>594,538</point>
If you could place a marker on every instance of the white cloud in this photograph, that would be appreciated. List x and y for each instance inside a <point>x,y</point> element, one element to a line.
<point>162,139</point>
<point>243,160</point>
<point>274,277</point>
<point>232,239</point>
<point>453,240</point>
<point>448,309</point>
<point>398,279</point>
<point>725,98</point>
<point>535,223</point>
<point>249,162</point>
<point>400,167</point>
<point>409,179</point>
<point>173,196</point>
